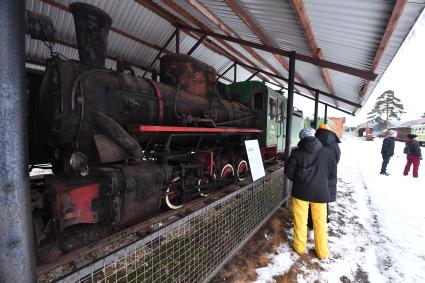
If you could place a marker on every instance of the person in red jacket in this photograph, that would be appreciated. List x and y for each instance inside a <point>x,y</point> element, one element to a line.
<point>413,151</point>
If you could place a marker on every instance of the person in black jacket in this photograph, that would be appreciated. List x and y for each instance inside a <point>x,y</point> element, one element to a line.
<point>387,150</point>
<point>329,139</point>
<point>414,154</point>
<point>309,167</point>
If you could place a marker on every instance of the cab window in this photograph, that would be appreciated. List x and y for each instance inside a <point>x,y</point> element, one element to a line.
<point>273,108</point>
<point>258,101</point>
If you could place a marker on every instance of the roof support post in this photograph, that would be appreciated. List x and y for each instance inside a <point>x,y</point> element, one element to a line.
<point>316,108</point>
<point>290,104</point>
<point>228,69</point>
<point>16,242</point>
<point>177,40</point>
<point>253,75</point>
<point>325,120</point>
<point>235,72</point>
<point>161,50</point>
<point>200,40</point>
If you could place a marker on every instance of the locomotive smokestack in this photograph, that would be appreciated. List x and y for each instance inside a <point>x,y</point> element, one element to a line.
<point>91,28</point>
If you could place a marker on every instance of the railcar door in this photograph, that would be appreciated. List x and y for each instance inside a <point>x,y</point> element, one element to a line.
<point>272,124</point>
<point>281,126</point>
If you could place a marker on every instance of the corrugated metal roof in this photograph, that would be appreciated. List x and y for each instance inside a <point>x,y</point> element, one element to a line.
<point>276,19</point>
<point>347,32</point>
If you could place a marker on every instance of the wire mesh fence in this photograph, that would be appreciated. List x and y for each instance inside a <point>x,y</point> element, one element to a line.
<point>194,248</point>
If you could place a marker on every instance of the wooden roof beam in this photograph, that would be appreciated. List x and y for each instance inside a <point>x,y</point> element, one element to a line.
<point>304,21</point>
<point>113,29</point>
<point>355,104</point>
<point>237,9</point>
<point>162,50</point>
<point>159,11</point>
<point>71,45</point>
<point>155,8</point>
<point>190,18</point>
<point>366,75</point>
<point>391,25</point>
<point>204,11</point>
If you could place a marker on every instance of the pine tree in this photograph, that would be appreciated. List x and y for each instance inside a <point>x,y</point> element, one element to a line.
<point>389,105</point>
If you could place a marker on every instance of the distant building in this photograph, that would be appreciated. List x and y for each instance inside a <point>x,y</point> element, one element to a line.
<point>402,128</point>
<point>405,128</point>
<point>338,125</point>
<point>412,123</point>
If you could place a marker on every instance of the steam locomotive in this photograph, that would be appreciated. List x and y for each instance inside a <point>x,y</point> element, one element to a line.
<point>121,146</point>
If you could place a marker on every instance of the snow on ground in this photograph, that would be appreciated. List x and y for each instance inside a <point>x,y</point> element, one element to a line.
<point>377,228</point>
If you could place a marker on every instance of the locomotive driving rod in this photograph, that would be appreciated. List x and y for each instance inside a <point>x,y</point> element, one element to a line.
<point>17,260</point>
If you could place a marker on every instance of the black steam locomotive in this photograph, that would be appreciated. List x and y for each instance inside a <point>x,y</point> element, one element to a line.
<point>122,146</point>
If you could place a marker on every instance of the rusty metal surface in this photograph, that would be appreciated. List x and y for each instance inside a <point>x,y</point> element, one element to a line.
<point>188,74</point>
<point>72,204</point>
<point>143,191</point>
<point>108,150</point>
<point>92,28</point>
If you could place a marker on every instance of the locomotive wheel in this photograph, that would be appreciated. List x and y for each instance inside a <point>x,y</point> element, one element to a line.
<point>172,195</point>
<point>227,172</point>
<point>242,170</point>
<point>202,181</point>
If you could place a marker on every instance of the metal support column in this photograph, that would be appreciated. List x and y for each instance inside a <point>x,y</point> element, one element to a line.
<point>253,75</point>
<point>228,69</point>
<point>316,109</point>
<point>17,260</point>
<point>235,73</point>
<point>325,120</point>
<point>196,45</point>
<point>290,104</point>
<point>177,40</point>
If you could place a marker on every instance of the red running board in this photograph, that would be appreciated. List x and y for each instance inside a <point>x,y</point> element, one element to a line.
<point>143,128</point>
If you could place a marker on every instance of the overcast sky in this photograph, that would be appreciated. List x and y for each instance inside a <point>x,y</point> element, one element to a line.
<point>405,76</point>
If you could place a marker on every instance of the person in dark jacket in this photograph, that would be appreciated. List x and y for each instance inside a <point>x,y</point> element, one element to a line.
<point>387,150</point>
<point>329,139</point>
<point>414,154</point>
<point>309,167</point>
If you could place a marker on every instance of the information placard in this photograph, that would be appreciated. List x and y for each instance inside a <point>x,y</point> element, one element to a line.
<point>255,160</point>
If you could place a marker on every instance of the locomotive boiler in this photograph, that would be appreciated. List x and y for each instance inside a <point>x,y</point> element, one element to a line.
<point>121,146</point>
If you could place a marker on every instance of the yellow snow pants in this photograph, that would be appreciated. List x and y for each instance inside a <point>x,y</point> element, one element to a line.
<point>320,226</point>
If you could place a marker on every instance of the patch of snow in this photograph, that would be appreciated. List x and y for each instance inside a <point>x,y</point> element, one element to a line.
<point>377,228</point>
<point>279,264</point>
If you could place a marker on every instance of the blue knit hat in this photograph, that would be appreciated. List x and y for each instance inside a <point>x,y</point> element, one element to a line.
<point>307,132</point>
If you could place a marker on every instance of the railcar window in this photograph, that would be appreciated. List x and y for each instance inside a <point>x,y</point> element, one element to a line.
<point>258,101</point>
<point>273,108</point>
<point>282,110</point>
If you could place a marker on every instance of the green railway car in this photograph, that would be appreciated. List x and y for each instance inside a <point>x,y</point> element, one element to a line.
<point>419,130</point>
<point>270,107</point>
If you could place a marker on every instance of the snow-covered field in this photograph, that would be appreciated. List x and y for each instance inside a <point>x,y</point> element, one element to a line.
<point>377,228</point>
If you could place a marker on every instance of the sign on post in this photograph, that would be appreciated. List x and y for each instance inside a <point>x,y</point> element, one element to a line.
<point>255,160</point>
